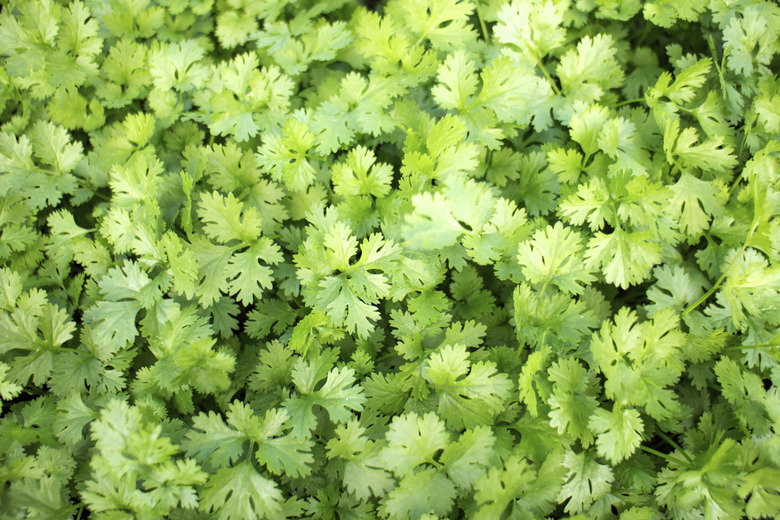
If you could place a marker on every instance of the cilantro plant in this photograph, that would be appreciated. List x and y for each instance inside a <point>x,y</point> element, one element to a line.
<point>490,259</point>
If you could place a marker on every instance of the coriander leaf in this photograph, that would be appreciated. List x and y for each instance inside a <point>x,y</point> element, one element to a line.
<point>423,492</point>
<point>618,432</point>
<point>135,461</point>
<point>240,492</point>
<point>520,488</point>
<point>535,29</point>
<point>592,70</point>
<point>587,481</point>
<point>412,441</point>
<point>8,389</point>
<point>52,146</point>
<point>442,22</point>
<point>178,66</point>
<point>125,292</point>
<point>553,256</point>
<point>466,459</point>
<point>675,287</point>
<point>640,360</point>
<point>469,394</point>
<point>710,156</point>
<point>363,475</point>
<point>694,202</point>
<point>352,177</point>
<point>337,396</point>
<point>573,400</point>
<point>666,13</point>
<point>457,81</point>
<point>218,444</point>
<point>225,220</point>
<point>625,258</point>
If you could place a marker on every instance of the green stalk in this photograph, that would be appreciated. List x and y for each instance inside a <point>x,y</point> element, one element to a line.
<point>549,78</point>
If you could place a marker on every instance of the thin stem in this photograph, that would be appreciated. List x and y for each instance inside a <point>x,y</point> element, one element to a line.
<point>643,34</point>
<point>432,462</point>
<point>318,158</point>
<point>734,185</point>
<point>701,299</point>
<point>485,33</point>
<point>101,196</point>
<point>549,78</point>
<point>719,281</point>
<point>663,456</point>
<point>674,445</point>
<point>629,101</point>
<point>745,136</point>
<point>769,349</point>
<point>752,347</point>
<point>72,350</point>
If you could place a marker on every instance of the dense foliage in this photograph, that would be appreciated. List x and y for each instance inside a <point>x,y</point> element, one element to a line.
<point>446,259</point>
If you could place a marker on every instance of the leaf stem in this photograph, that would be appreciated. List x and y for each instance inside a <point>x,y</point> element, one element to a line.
<point>663,456</point>
<point>769,348</point>
<point>719,281</point>
<point>549,78</point>
<point>674,445</point>
<point>318,158</point>
<point>629,101</point>
<point>734,185</point>
<point>434,463</point>
<point>485,33</point>
<point>72,350</point>
<point>701,299</point>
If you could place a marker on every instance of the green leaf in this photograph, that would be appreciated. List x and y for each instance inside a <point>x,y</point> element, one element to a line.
<point>8,389</point>
<point>52,146</point>
<point>519,488</point>
<point>665,13</point>
<point>363,475</point>
<point>426,491</point>
<point>125,292</point>
<point>468,394</point>
<point>412,441</point>
<point>225,220</point>
<point>432,225</point>
<point>352,177</point>
<point>287,155</point>
<point>240,492</point>
<point>457,81</point>
<point>592,70</point>
<point>675,287</point>
<point>625,258</point>
<point>337,396</point>
<point>620,141</point>
<point>218,444</point>
<point>553,256</point>
<point>640,360</point>
<point>535,29</point>
<point>73,415</point>
<point>467,459</point>
<point>34,333</point>
<point>135,461</point>
<point>587,481</point>
<point>574,399</point>
<point>177,66</point>
<point>694,202</point>
<point>442,22</point>
<point>618,432</point>
<point>710,156</point>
